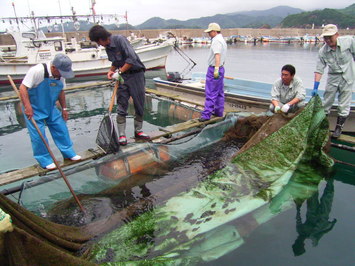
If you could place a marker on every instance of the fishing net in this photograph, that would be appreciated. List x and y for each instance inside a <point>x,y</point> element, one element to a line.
<point>107,138</point>
<point>255,176</point>
<point>170,204</point>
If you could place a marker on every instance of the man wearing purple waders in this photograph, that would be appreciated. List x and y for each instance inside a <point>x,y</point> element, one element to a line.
<point>214,103</point>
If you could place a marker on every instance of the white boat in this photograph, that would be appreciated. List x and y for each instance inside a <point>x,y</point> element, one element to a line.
<point>32,49</point>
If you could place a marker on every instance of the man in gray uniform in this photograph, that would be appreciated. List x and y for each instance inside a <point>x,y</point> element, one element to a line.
<point>287,93</point>
<point>338,53</point>
<point>123,57</point>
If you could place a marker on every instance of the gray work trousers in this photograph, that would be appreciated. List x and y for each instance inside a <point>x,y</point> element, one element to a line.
<point>337,84</point>
<point>133,86</point>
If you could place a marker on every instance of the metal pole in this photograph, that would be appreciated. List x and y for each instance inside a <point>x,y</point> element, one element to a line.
<point>13,5</point>
<point>61,20</point>
<point>93,2</point>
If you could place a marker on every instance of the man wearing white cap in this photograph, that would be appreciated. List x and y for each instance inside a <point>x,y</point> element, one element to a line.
<point>214,103</point>
<point>40,89</point>
<point>338,53</point>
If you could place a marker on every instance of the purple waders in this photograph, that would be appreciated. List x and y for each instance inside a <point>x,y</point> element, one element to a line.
<point>214,103</point>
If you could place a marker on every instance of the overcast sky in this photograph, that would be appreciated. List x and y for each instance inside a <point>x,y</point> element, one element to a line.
<point>139,10</point>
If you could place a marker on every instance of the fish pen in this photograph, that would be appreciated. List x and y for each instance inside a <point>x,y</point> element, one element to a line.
<point>186,201</point>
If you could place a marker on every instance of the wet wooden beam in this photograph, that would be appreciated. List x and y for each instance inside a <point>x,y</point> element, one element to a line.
<point>175,96</point>
<point>347,138</point>
<point>36,170</point>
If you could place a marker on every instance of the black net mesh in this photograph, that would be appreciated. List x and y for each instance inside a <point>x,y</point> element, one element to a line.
<point>107,138</point>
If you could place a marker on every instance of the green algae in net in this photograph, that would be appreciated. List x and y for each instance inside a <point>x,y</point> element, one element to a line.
<point>174,232</point>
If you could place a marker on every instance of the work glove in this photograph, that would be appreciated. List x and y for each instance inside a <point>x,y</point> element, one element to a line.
<point>315,88</point>
<point>285,108</point>
<point>216,73</point>
<point>277,109</point>
<point>118,77</point>
<point>5,222</point>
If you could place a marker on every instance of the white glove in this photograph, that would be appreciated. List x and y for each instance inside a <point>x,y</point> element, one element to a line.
<point>5,222</point>
<point>277,109</point>
<point>216,73</point>
<point>285,108</point>
<point>116,76</point>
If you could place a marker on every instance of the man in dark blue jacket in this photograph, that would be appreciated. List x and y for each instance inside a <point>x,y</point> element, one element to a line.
<point>124,59</point>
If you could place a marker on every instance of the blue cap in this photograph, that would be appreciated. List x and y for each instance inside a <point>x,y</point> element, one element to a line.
<point>64,65</point>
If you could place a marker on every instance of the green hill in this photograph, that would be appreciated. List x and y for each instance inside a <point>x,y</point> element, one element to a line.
<point>344,18</point>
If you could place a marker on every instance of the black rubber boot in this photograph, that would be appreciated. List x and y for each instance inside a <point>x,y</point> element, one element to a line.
<point>339,127</point>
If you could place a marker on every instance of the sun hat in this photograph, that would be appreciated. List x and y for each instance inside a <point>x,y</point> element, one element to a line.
<point>213,26</point>
<point>64,65</point>
<point>329,30</point>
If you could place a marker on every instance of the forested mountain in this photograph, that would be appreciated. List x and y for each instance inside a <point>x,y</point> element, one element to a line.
<point>247,19</point>
<point>279,11</point>
<point>342,17</point>
<point>284,16</point>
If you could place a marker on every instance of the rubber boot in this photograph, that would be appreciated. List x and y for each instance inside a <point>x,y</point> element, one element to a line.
<point>339,127</point>
<point>121,126</point>
<point>138,133</point>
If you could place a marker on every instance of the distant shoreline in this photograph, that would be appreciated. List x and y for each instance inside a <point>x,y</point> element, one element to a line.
<point>255,33</point>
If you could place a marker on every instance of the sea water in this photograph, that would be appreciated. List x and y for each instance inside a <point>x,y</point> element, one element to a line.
<point>260,62</point>
<point>270,243</point>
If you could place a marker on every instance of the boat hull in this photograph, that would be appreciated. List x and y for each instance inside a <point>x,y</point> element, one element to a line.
<point>153,57</point>
<point>243,96</point>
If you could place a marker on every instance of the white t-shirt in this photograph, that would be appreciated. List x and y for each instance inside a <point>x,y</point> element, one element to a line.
<point>35,75</point>
<point>218,46</point>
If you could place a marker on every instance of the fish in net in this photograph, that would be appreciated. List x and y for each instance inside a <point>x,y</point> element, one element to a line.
<point>107,137</point>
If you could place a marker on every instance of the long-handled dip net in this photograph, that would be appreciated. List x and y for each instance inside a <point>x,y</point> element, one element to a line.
<point>107,138</point>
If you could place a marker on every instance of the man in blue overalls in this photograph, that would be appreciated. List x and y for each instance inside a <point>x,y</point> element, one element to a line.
<point>40,89</point>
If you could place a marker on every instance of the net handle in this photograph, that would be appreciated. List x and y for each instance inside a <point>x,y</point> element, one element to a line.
<point>113,97</point>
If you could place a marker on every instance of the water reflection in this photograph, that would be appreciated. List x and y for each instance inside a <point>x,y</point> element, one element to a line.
<point>317,221</point>
<point>303,189</point>
<point>85,104</point>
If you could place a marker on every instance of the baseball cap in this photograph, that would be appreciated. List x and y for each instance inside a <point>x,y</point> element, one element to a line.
<point>64,65</point>
<point>213,26</point>
<point>329,30</point>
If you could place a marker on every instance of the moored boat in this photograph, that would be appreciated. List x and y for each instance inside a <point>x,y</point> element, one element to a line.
<point>87,62</point>
<point>243,95</point>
